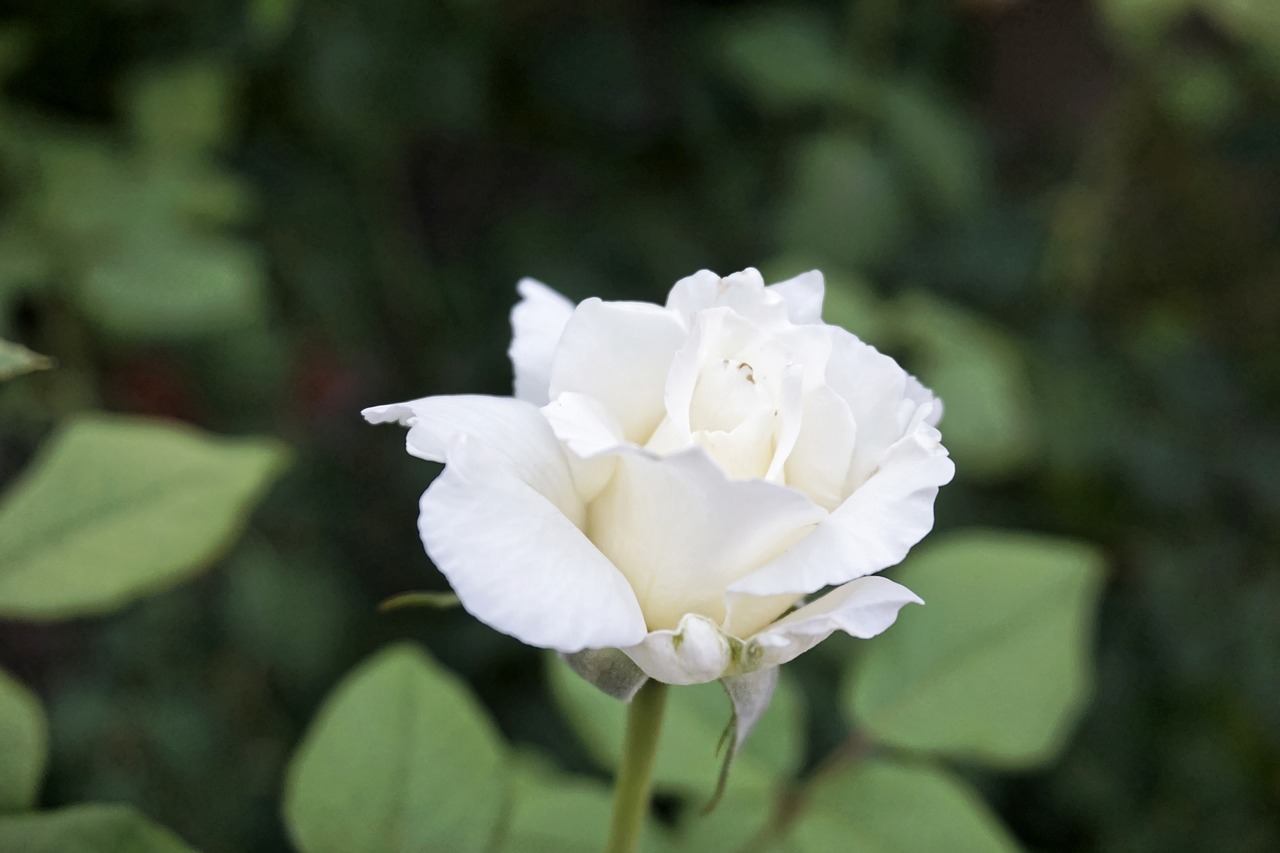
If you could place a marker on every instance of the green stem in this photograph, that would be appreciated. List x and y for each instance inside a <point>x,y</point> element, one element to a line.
<point>631,796</point>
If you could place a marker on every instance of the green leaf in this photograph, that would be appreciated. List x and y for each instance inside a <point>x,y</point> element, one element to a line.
<point>15,360</point>
<point>735,825</point>
<point>996,666</point>
<point>783,57</point>
<point>979,373</point>
<point>845,205</point>
<point>695,720</point>
<point>174,285</point>
<point>90,828</point>
<point>24,745</point>
<point>939,148</point>
<point>554,812</point>
<point>182,110</point>
<point>881,806</point>
<point>400,758</point>
<point>114,508</point>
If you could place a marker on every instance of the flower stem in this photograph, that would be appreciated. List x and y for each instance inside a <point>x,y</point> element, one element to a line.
<point>631,796</point>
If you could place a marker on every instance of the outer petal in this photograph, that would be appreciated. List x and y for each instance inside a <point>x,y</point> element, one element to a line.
<point>515,431</point>
<point>863,608</point>
<point>803,295</point>
<point>537,322</point>
<point>517,563</point>
<point>682,531</point>
<point>619,353</point>
<point>872,530</point>
<point>695,652</point>
<point>874,387</point>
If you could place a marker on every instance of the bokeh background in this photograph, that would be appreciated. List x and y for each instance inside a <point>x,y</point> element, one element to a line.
<point>259,216</point>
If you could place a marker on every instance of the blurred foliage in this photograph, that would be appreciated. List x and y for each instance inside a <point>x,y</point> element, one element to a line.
<point>258,216</point>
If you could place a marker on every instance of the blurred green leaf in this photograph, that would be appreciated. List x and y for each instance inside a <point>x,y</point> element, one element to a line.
<point>882,806</point>
<point>737,823</point>
<point>996,666</point>
<point>174,286</point>
<point>291,614</point>
<point>939,149</point>
<point>783,57</point>
<point>24,745</point>
<point>845,204</point>
<point>271,20</point>
<point>401,757</point>
<point>554,812</point>
<point>696,717</point>
<point>15,360</point>
<point>980,375</point>
<point>87,829</point>
<point>181,110</point>
<point>114,508</point>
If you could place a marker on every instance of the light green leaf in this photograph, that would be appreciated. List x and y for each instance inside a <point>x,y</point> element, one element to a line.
<point>845,205</point>
<point>695,719</point>
<point>979,373</point>
<point>996,666</point>
<point>15,360</point>
<point>24,745</point>
<point>881,806</point>
<point>114,508</point>
<point>554,812</point>
<point>400,758</point>
<point>87,829</point>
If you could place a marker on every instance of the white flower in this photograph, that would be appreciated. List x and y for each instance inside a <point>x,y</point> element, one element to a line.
<point>673,480</point>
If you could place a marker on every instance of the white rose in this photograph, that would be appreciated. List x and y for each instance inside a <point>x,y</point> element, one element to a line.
<point>671,481</point>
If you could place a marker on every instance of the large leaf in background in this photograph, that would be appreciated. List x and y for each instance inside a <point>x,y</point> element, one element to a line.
<point>881,806</point>
<point>401,758</point>
<point>979,373</point>
<point>113,508</point>
<point>554,812</point>
<point>24,743</point>
<point>845,206</point>
<point>695,718</point>
<point>87,829</point>
<point>15,360</point>
<point>996,666</point>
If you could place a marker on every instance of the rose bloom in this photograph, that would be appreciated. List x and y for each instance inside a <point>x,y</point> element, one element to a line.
<point>678,481</point>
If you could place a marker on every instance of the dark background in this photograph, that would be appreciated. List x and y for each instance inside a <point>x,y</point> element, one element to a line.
<point>1083,199</point>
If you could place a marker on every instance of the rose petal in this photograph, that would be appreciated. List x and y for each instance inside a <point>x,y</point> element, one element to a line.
<point>517,563</point>
<point>803,295</point>
<point>619,353</point>
<point>695,652</point>
<point>513,429</point>
<point>819,463</point>
<point>537,322</point>
<point>682,531</point>
<point>862,608</point>
<point>872,530</point>
<point>874,387</point>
